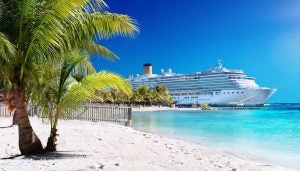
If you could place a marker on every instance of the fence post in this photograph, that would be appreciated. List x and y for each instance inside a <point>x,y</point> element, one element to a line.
<point>128,122</point>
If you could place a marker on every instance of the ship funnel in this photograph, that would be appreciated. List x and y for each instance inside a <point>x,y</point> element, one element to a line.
<point>147,69</point>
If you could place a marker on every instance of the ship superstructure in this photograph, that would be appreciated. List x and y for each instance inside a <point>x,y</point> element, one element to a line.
<point>216,86</point>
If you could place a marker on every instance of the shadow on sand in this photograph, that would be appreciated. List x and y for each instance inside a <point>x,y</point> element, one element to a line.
<point>6,126</point>
<point>48,156</point>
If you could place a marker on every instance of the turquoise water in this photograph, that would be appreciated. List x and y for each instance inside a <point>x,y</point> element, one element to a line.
<point>270,134</point>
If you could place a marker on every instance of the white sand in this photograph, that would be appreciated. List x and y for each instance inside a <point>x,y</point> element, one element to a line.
<point>95,146</point>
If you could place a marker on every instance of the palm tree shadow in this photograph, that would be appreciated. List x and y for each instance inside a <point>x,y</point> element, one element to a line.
<point>49,156</point>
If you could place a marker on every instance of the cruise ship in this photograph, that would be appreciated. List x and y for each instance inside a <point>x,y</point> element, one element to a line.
<point>217,86</point>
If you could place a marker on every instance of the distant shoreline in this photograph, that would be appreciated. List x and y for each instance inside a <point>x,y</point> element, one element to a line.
<point>162,108</point>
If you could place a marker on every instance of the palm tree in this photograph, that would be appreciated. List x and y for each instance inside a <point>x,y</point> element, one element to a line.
<point>158,95</point>
<point>136,98</point>
<point>116,96</point>
<point>162,95</point>
<point>35,31</point>
<point>121,97</point>
<point>62,93</point>
<point>145,93</point>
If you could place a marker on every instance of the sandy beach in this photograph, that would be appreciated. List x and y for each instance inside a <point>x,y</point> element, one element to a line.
<point>86,145</point>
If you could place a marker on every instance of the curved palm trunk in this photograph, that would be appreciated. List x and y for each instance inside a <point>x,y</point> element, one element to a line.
<point>51,143</point>
<point>29,143</point>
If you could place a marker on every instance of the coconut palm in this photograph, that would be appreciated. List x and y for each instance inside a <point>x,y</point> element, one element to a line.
<point>136,98</point>
<point>120,97</point>
<point>61,92</point>
<point>158,95</point>
<point>33,32</point>
<point>145,92</point>
<point>113,96</point>
<point>161,94</point>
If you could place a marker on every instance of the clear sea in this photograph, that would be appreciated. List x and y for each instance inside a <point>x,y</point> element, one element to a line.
<point>270,134</point>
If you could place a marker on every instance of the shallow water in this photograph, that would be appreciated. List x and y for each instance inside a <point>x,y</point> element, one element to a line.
<point>271,134</point>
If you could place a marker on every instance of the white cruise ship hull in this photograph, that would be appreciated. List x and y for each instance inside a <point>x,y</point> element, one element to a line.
<point>242,97</point>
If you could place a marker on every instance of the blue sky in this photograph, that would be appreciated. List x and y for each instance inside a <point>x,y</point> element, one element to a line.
<point>262,37</point>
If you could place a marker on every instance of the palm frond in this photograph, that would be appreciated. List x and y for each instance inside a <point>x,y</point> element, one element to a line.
<point>57,34</point>
<point>50,36</point>
<point>98,50</point>
<point>86,88</point>
<point>7,49</point>
<point>83,68</point>
<point>111,24</point>
<point>25,7</point>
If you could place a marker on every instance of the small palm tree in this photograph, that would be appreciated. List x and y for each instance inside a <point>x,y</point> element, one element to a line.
<point>35,32</point>
<point>136,98</point>
<point>144,92</point>
<point>63,93</point>
<point>162,95</point>
<point>118,97</point>
<point>121,97</point>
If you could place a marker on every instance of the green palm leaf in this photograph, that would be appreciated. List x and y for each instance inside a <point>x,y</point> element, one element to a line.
<point>67,26</point>
<point>86,88</point>
<point>7,49</point>
<point>41,46</point>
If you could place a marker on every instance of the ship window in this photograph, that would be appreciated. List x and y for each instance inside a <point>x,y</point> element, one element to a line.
<point>237,92</point>
<point>232,92</point>
<point>228,92</point>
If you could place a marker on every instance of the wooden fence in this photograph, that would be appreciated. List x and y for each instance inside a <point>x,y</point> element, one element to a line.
<point>4,112</point>
<point>90,112</point>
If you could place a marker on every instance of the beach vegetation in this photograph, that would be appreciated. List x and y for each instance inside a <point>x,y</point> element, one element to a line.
<point>38,32</point>
<point>141,96</point>
<point>159,95</point>
<point>205,106</point>
<point>57,92</point>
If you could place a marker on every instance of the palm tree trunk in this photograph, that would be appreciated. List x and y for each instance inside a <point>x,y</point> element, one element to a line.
<point>51,143</point>
<point>29,143</point>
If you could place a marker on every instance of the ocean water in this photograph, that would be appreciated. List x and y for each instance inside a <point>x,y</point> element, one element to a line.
<point>270,134</point>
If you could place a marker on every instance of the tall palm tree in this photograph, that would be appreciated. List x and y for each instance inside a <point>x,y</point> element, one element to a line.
<point>35,31</point>
<point>59,92</point>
